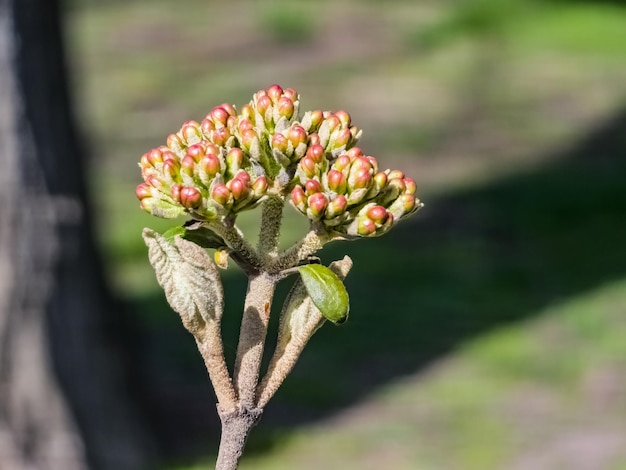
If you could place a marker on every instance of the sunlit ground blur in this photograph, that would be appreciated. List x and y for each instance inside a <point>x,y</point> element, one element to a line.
<point>485,333</point>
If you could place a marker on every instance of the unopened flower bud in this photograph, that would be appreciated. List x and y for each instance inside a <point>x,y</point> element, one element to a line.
<point>410,186</point>
<point>366,227</point>
<point>219,115</point>
<point>191,132</point>
<point>248,137</point>
<point>344,118</point>
<point>230,109</point>
<point>244,125</point>
<point>342,163</point>
<point>314,139</point>
<point>154,181</point>
<point>220,136</point>
<point>308,167</point>
<point>297,135</point>
<point>378,214</point>
<point>143,191</point>
<point>262,104</point>
<point>317,205</point>
<point>234,160</point>
<point>207,126</point>
<point>247,112</point>
<point>315,152</point>
<point>210,164</point>
<point>155,156</point>
<point>395,174</point>
<point>174,143</point>
<point>196,151</point>
<point>275,92</point>
<point>342,138</point>
<point>259,187</point>
<point>220,194</point>
<point>280,143</point>
<point>238,188</point>
<point>291,94</point>
<point>337,206</point>
<point>190,197</point>
<point>187,165</point>
<point>312,187</point>
<point>175,192</point>
<point>336,181</point>
<point>171,169</point>
<point>298,197</point>
<point>285,107</point>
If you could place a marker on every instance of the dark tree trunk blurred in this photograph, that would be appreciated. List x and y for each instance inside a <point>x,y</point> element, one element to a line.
<point>64,400</point>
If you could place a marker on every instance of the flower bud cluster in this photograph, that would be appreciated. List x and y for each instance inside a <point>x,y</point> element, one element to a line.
<point>349,194</point>
<point>191,175</point>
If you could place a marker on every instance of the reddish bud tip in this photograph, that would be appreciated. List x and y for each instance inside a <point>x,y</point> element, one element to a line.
<point>342,163</point>
<point>366,227</point>
<point>314,139</point>
<point>221,135</point>
<point>378,214</point>
<point>354,152</point>
<point>337,206</point>
<point>285,107</point>
<point>188,164</point>
<point>291,94</point>
<point>155,156</point>
<point>298,197</point>
<point>316,153</point>
<point>336,181</point>
<point>297,135</point>
<point>344,118</point>
<point>260,186</point>
<point>312,187</point>
<point>190,198</point>
<point>220,194</point>
<point>263,103</point>
<point>196,151</point>
<point>143,191</point>
<point>174,142</point>
<point>238,188</point>
<point>380,179</point>
<point>279,142</point>
<point>396,174</point>
<point>175,192</point>
<point>308,167</point>
<point>410,186</point>
<point>211,164</point>
<point>219,115</point>
<point>230,109</point>
<point>275,92</point>
<point>171,167</point>
<point>247,112</point>
<point>244,125</point>
<point>343,138</point>
<point>207,126</point>
<point>317,204</point>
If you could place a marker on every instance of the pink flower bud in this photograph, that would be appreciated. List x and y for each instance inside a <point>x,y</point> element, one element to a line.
<point>366,227</point>
<point>196,151</point>
<point>397,183</point>
<point>191,132</point>
<point>275,92</point>
<point>187,165</point>
<point>238,188</point>
<point>220,194</point>
<point>342,138</point>
<point>308,167</point>
<point>259,187</point>
<point>336,181</point>
<point>316,118</point>
<point>280,143</point>
<point>243,176</point>
<point>155,182</point>
<point>316,153</point>
<point>342,163</point>
<point>344,118</point>
<point>171,167</point>
<point>211,165</point>
<point>248,137</point>
<point>312,187</point>
<point>219,115</point>
<point>395,174</point>
<point>174,142</point>
<point>373,163</point>
<point>143,191</point>
<point>410,186</point>
<point>314,139</point>
<point>298,197</point>
<point>207,126</point>
<point>337,206</point>
<point>244,125</point>
<point>234,159</point>
<point>144,162</point>
<point>378,214</point>
<point>247,112</point>
<point>175,192</point>
<point>285,107</point>
<point>263,103</point>
<point>230,109</point>
<point>317,204</point>
<point>380,180</point>
<point>155,156</point>
<point>355,152</point>
<point>220,136</point>
<point>190,198</point>
<point>297,135</point>
<point>291,94</point>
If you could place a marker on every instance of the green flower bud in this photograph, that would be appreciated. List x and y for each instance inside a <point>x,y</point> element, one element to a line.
<point>308,167</point>
<point>259,187</point>
<point>336,181</point>
<point>336,207</point>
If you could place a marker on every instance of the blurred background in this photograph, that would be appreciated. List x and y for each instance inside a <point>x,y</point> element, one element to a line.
<point>486,332</point>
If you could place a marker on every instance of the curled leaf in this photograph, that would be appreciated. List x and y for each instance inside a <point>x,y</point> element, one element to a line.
<point>189,278</point>
<point>326,291</point>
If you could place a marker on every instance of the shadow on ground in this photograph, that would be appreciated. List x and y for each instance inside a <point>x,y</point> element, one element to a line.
<point>472,261</point>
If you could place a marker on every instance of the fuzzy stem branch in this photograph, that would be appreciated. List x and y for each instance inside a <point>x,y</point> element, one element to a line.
<point>235,240</point>
<point>252,337</point>
<point>209,341</point>
<point>310,244</point>
<point>269,233</point>
<point>236,426</point>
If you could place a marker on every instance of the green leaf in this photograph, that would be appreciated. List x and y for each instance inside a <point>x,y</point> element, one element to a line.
<point>326,291</point>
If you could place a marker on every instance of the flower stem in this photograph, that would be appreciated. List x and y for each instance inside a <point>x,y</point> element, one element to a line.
<point>236,426</point>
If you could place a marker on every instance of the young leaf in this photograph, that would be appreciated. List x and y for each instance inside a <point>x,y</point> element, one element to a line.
<point>188,276</point>
<point>326,291</point>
